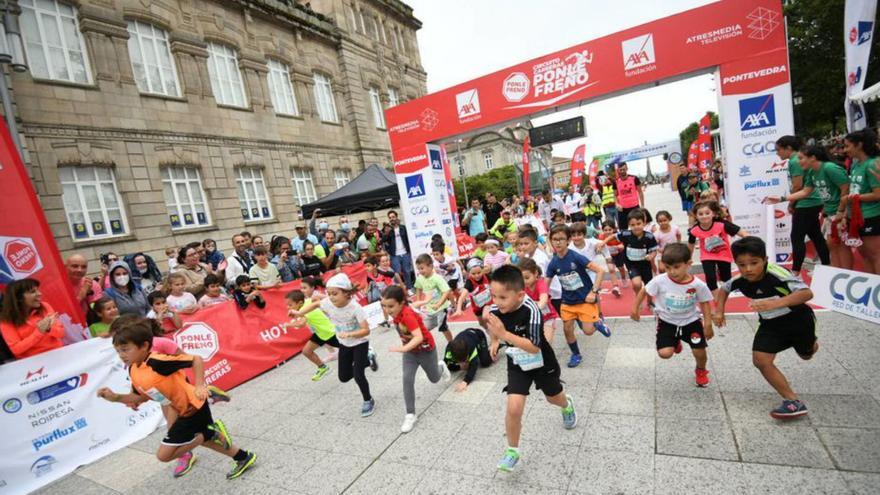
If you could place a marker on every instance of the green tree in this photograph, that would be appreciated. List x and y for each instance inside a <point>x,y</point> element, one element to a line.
<point>689,134</point>
<point>501,181</point>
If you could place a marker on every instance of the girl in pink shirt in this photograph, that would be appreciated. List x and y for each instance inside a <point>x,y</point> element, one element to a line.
<point>664,233</point>
<point>538,290</point>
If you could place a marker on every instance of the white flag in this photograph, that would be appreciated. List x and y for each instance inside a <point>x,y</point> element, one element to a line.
<point>858,29</point>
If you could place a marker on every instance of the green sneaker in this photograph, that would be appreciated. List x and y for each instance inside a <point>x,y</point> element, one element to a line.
<point>508,462</point>
<point>320,372</point>
<point>216,394</point>
<point>222,437</point>
<point>569,416</point>
<point>241,466</point>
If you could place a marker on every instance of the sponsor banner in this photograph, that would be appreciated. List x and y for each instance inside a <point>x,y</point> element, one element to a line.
<point>693,155</point>
<point>856,294</point>
<point>705,155</point>
<point>665,48</point>
<point>858,30</point>
<point>52,420</point>
<point>577,167</point>
<point>669,147</point>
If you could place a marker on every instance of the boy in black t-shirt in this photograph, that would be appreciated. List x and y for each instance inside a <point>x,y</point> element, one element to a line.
<point>780,300</point>
<point>639,248</point>
<point>516,319</point>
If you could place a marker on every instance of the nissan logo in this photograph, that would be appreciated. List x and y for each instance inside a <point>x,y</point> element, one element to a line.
<point>419,210</point>
<point>752,149</point>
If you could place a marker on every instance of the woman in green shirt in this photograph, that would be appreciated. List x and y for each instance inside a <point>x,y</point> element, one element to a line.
<point>861,146</point>
<point>828,181</point>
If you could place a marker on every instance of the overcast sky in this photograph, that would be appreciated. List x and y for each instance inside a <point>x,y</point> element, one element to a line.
<point>464,39</point>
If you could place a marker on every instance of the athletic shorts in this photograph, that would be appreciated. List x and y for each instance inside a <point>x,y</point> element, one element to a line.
<point>668,334</point>
<point>546,378</point>
<point>619,259</point>
<point>185,428</point>
<point>640,269</point>
<point>436,320</point>
<point>332,342</point>
<point>871,227</point>
<point>557,305</point>
<point>585,312</point>
<point>792,330</point>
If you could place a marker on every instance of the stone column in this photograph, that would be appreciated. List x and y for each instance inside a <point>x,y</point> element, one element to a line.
<point>192,58</point>
<point>256,82</point>
<point>106,35</point>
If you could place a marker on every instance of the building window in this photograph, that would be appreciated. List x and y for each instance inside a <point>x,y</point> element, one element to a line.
<point>342,177</point>
<point>252,196</point>
<point>488,160</point>
<point>393,98</point>
<point>225,76</point>
<point>151,60</point>
<point>281,89</point>
<point>395,42</point>
<point>324,98</point>
<point>303,186</point>
<point>372,30</point>
<point>184,197</point>
<point>53,43</point>
<point>383,32</point>
<point>352,19</point>
<point>92,203</point>
<point>378,111</point>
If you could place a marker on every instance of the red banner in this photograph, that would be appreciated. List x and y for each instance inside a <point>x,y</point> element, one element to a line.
<point>693,156</point>
<point>704,145</point>
<point>450,190</point>
<point>466,245</point>
<point>27,245</point>
<point>594,171</point>
<point>526,171</point>
<point>577,166</point>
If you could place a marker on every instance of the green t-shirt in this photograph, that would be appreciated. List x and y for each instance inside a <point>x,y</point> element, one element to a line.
<point>862,181</point>
<point>795,170</point>
<point>319,251</point>
<point>479,253</point>
<point>98,329</point>
<point>435,286</point>
<point>319,323</point>
<point>827,181</point>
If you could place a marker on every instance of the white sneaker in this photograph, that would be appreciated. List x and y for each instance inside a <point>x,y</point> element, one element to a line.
<point>409,421</point>
<point>445,375</point>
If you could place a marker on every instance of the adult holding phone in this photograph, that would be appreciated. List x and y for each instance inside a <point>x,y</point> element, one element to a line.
<point>29,325</point>
<point>475,219</point>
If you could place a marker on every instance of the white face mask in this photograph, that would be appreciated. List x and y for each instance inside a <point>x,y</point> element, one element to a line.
<point>121,280</point>
<point>323,226</point>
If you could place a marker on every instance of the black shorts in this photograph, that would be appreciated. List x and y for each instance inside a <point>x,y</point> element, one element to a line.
<point>668,334</point>
<point>557,305</point>
<point>640,269</point>
<point>619,259</point>
<point>871,227</point>
<point>546,378</point>
<point>332,342</point>
<point>185,428</point>
<point>793,330</point>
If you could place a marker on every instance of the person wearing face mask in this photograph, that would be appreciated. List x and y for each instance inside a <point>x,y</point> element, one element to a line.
<point>129,297</point>
<point>344,228</point>
<point>318,227</point>
<point>145,271</point>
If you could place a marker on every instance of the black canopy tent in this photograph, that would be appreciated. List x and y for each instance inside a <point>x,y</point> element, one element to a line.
<point>374,189</point>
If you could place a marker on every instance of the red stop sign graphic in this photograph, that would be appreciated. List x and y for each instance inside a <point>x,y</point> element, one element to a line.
<point>21,256</point>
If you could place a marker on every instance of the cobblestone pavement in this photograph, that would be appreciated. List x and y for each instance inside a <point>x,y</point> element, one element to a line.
<point>643,427</point>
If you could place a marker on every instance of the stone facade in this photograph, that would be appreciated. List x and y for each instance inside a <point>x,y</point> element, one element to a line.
<point>109,123</point>
<point>490,150</point>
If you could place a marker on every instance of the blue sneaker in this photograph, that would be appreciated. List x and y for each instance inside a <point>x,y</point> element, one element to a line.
<point>368,408</point>
<point>508,462</point>
<point>569,416</point>
<point>789,409</point>
<point>601,327</point>
<point>575,360</point>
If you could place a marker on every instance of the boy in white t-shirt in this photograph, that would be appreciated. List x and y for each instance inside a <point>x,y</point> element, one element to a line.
<point>676,295</point>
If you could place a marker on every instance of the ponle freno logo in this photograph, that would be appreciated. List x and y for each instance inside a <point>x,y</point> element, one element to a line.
<point>516,87</point>
<point>638,52</point>
<point>199,339</point>
<point>757,112</point>
<point>18,259</point>
<point>468,105</point>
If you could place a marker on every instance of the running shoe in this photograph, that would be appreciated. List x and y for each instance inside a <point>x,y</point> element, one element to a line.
<point>445,375</point>
<point>602,327</point>
<point>616,291</point>
<point>575,360</point>
<point>409,421</point>
<point>331,356</point>
<point>215,395</point>
<point>789,409</point>
<point>368,408</point>
<point>184,464</point>
<point>569,416</point>
<point>222,437</point>
<point>508,462</point>
<point>371,356</point>
<point>241,466</point>
<point>701,376</point>
<point>678,347</point>
<point>320,372</point>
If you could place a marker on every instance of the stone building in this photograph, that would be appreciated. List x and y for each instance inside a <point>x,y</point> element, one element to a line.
<point>488,150</point>
<point>153,123</point>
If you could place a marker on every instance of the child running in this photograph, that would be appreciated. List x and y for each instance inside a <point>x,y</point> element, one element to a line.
<point>476,288</point>
<point>103,312</point>
<point>589,248</point>
<point>539,292</point>
<point>352,333</point>
<point>516,320</point>
<point>639,248</point>
<point>161,378</point>
<point>677,294</point>
<point>323,332</point>
<point>616,259</point>
<point>665,233</point>
<point>314,290</point>
<point>417,348</point>
<point>468,351</point>
<point>785,320</point>
<point>435,305</point>
<point>580,298</point>
<point>714,237</point>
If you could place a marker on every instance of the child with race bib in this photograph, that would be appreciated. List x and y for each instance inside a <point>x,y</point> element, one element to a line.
<point>476,288</point>
<point>714,237</point>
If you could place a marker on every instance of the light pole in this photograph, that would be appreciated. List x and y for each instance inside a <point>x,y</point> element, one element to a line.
<point>12,54</point>
<point>461,171</point>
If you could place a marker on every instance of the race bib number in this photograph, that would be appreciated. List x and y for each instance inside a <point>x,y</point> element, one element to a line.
<point>714,244</point>
<point>680,303</point>
<point>613,249</point>
<point>158,397</point>
<point>636,254</point>
<point>774,313</point>
<point>526,361</point>
<point>482,298</point>
<point>571,281</point>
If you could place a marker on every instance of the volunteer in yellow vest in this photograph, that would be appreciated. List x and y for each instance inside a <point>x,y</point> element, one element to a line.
<point>504,225</point>
<point>609,207</point>
<point>592,208</point>
<point>628,193</point>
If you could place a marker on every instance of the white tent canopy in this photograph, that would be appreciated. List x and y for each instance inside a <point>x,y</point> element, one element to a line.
<point>868,94</point>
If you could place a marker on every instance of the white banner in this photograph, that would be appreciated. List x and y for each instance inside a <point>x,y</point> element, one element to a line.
<point>751,123</point>
<point>52,420</point>
<point>858,29</point>
<point>856,294</point>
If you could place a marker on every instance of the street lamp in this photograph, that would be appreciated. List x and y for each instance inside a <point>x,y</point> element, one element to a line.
<point>797,100</point>
<point>460,164</point>
<point>12,54</point>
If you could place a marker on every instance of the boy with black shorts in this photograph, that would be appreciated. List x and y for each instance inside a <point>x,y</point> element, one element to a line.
<point>677,294</point>
<point>161,378</point>
<point>516,319</point>
<point>639,247</point>
<point>323,331</point>
<point>780,299</point>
